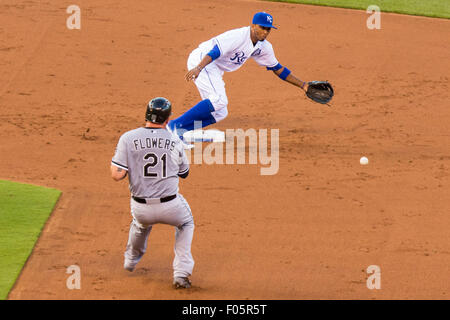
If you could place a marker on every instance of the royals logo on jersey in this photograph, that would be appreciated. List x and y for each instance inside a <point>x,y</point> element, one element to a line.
<point>239,58</point>
<point>236,47</point>
<point>257,52</point>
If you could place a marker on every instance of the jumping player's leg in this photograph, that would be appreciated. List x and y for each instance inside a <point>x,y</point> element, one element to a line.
<point>213,107</point>
<point>202,111</point>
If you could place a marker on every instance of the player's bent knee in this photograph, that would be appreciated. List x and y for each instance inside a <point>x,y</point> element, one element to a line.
<point>139,227</point>
<point>187,225</point>
<point>220,114</point>
<point>218,101</point>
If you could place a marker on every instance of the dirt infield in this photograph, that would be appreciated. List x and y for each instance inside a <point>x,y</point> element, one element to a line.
<point>308,232</point>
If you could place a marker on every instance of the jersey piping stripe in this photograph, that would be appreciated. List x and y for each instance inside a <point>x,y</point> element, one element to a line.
<point>201,57</point>
<point>211,81</point>
<point>181,172</point>
<point>119,165</point>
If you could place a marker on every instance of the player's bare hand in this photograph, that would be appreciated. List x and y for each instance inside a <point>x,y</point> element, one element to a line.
<point>192,74</point>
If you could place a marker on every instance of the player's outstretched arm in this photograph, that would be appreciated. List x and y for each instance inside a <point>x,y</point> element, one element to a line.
<point>286,75</point>
<point>318,91</point>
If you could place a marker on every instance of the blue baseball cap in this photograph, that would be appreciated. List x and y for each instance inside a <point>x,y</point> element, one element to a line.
<point>263,19</point>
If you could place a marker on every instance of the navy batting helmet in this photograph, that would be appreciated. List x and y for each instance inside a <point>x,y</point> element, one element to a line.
<point>158,110</point>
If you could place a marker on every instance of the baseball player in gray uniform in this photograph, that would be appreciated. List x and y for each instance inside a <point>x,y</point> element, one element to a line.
<point>154,158</point>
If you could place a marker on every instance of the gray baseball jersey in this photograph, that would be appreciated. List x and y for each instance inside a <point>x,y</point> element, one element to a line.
<point>153,158</point>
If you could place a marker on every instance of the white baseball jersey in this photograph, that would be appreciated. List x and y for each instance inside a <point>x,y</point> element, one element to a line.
<point>153,158</point>
<point>236,47</point>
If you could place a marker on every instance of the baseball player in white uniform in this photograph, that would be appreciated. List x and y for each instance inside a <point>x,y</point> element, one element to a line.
<point>227,52</point>
<point>154,159</point>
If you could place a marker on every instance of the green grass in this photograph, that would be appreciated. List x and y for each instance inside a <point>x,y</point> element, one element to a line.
<point>24,209</point>
<point>429,8</point>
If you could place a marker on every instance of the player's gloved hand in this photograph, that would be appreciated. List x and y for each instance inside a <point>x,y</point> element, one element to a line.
<point>320,91</point>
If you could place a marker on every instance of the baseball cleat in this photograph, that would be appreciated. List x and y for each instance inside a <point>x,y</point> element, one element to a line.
<point>181,283</point>
<point>186,146</point>
<point>129,266</point>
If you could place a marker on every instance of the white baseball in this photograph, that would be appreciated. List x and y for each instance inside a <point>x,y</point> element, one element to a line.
<point>364,161</point>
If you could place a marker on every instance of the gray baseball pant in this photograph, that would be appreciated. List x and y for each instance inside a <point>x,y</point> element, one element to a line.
<point>176,213</point>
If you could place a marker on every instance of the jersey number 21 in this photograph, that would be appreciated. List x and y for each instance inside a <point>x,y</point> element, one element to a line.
<point>153,158</point>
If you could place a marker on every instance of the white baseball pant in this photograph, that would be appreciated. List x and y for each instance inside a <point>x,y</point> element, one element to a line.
<point>210,84</point>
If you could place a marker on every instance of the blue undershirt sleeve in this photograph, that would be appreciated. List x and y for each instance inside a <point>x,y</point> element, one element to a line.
<point>277,67</point>
<point>214,53</point>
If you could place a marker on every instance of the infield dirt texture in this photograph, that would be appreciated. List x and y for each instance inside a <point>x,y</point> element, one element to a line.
<point>308,232</point>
